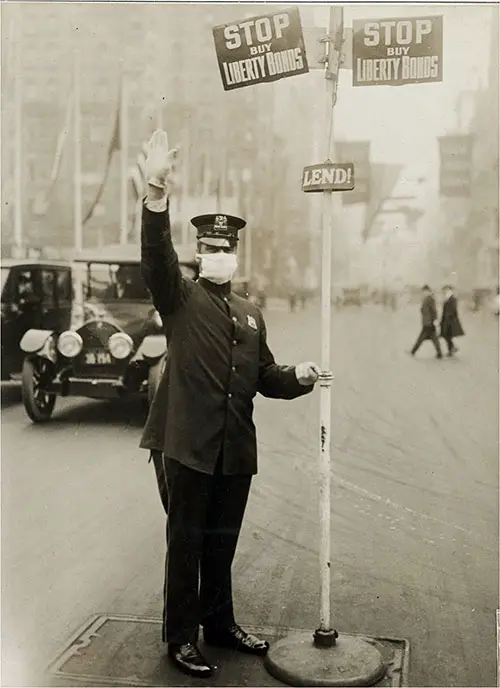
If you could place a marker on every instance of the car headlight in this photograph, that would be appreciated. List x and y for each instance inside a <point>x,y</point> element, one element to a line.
<point>120,345</point>
<point>157,319</point>
<point>69,344</point>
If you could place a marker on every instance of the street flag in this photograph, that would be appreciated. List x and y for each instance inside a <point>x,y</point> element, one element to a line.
<point>115,145</point>
<point>384,179</point>
<point>41,203</point>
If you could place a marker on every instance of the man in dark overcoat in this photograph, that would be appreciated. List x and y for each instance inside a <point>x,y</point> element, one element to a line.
<point>429,314</point>
<point>200,429</point>
<point>450,322</point>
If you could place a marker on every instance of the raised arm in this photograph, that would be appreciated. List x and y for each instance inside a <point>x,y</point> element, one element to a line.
<point>159,263</point>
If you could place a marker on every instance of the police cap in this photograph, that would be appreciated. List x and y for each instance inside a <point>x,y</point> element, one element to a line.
<point>218,226</point>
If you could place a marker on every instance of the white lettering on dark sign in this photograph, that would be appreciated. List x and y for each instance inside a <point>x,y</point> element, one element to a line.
<point>397,51</point>
<point>328,177</point>
<point>260,49</point>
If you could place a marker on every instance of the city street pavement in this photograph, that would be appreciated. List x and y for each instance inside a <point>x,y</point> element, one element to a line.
<point>414,504</point>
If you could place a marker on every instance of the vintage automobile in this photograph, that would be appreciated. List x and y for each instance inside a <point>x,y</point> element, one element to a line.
<point>35,294</point>
<point>118,347</point>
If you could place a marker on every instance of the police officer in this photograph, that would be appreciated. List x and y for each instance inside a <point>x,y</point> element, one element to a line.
<point>200,428</point>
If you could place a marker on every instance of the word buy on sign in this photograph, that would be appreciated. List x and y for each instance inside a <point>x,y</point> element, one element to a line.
<point>395,52</point>
<point>260,49</point>
<point>328,176</point>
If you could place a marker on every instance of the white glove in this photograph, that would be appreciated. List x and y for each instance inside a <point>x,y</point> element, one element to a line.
<point>160,160</point>
<point>307,373</point>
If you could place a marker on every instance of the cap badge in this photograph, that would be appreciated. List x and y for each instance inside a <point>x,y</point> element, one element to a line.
<point>220,223</point>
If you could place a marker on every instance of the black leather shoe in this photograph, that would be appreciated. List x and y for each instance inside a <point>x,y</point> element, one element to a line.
<point>235,638</point>
<point>188,659</point>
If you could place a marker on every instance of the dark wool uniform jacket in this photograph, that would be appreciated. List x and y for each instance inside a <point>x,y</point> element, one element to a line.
<point>217,361</point>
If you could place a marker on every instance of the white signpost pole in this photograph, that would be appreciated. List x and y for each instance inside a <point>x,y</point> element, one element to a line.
<point>326,378</point>
<point>326,659</point>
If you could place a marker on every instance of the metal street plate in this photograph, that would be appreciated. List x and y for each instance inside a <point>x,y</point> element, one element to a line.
<point>115,650</point>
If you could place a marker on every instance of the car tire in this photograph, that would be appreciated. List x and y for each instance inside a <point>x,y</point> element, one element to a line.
<point>39,405</point>
<point>154,377</point>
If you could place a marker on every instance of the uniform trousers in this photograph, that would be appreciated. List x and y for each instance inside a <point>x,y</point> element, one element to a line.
<point>204,517</point>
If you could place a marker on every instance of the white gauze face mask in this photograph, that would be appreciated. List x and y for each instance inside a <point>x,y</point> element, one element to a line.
<point>218,268</point>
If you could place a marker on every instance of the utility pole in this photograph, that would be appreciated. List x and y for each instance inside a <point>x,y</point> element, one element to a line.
<point>18,131</point>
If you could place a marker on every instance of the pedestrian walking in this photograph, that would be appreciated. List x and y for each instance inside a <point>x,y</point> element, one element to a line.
<point>429,313</point>
<point>451,326</point>
<point>200,429</point>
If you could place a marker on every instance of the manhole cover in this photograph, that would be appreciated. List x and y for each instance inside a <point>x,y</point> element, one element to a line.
<point>114,650</point>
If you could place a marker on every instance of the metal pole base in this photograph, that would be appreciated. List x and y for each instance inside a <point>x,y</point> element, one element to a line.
<point>351,661</point>
<point>325,638</point>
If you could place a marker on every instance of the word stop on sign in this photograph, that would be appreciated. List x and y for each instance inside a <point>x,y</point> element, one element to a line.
<point>397,32</point>
<point>255,32</point>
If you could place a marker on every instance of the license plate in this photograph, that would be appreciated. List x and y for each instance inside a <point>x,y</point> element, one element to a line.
<point>97,358</point>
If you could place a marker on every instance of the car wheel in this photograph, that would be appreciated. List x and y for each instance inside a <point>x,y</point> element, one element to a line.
<point>38,404</point>
<point>154,377</point>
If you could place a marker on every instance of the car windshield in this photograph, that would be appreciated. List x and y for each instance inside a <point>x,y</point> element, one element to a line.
<point>115,282</point>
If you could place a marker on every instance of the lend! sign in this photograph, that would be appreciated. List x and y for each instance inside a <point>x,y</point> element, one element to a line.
<point>328,177</point>
<point>260,49</point>
<point>395,52</point>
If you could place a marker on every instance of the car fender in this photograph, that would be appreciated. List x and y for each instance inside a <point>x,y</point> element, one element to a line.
<point>153,346</point>
<point>40,342</point>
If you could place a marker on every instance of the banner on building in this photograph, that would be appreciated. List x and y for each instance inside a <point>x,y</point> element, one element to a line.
<point>396,52</point>
<point>357,153</point>
<point>455,171</point>
<point>260,49</point>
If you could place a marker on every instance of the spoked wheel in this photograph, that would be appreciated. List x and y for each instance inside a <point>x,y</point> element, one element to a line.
<point>154,377</point>
<point>38,403</point>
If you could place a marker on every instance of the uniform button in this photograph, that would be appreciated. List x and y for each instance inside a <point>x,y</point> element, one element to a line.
<point>233,368</point>
<point>234,342</point>
<point>225,299</point>
<point>229,396</point>
<point>235,319</point>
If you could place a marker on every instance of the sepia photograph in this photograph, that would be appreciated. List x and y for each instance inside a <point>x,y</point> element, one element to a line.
<point>250,344</point>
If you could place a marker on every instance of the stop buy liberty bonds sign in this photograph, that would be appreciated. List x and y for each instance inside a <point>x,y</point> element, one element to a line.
<point>260,49</point>
<point>395,52</point>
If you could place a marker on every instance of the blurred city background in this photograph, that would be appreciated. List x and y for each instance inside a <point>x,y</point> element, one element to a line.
<point>131,68</point>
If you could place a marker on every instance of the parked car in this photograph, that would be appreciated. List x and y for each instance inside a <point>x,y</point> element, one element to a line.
<point>36,295</point>
<point>117,349</point>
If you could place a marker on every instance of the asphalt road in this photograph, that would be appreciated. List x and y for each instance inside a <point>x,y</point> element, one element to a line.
<point>414,504</point>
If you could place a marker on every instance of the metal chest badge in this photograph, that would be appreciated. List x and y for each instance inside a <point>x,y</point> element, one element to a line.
<point>251,322</point>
